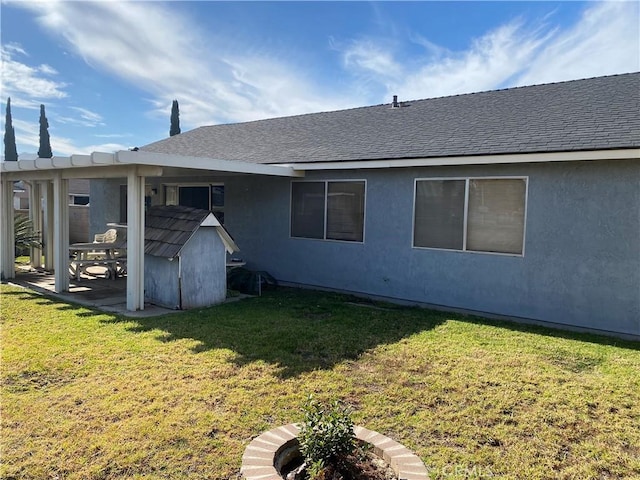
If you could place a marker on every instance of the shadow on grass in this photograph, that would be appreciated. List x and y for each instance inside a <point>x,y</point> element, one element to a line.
<point>304,330</point>
<point>297,330</point>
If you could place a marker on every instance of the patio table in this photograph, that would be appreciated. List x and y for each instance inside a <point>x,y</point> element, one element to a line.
<point>108,255</point>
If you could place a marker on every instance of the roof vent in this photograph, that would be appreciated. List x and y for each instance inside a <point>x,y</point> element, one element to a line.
<point>395,103</point>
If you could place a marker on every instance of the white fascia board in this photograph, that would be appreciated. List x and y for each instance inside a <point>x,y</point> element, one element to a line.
<point>620,154</point>
<point>103,158</point>
<point>61,162</point>
<point>200,163</point>
<point>26,164</point>
<point>93,171</point>
<point>229,244</point>
<point>9,166</point>
<point>81,160</point>
<point>44,163</point>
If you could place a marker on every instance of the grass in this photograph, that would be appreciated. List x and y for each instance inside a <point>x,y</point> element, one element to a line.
<point>90,395</point>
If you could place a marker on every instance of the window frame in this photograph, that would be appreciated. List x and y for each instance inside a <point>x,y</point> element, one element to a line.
<point>326,204</point>
<point>179,185</point>
<point>467,181</point>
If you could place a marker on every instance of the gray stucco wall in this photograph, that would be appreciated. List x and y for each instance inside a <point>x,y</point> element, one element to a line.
<point>203,265</point>
<point>105,204</point>
<point>581,264</point>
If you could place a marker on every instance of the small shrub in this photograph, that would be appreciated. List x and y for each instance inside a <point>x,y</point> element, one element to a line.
<point>326,435</point>
<point>25,235</point>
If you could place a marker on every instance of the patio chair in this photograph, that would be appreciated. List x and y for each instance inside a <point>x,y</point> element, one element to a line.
<point>107,237</point>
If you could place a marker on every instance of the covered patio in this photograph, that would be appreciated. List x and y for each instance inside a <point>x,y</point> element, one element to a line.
<point>49,178</point>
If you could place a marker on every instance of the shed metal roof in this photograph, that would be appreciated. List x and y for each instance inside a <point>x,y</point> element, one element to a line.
<point>591,114</point>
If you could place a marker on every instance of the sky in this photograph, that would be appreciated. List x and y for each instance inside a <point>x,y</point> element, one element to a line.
<point>107,71</point>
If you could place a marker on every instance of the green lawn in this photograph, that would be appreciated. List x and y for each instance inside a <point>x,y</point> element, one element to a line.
<point>88,395</point>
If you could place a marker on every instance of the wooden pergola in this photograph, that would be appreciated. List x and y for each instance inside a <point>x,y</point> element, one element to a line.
<point>49,180</point>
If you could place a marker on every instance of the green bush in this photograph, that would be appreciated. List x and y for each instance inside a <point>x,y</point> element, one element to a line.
<point>326,436</point>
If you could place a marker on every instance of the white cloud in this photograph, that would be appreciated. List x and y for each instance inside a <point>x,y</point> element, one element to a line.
<point>13,47</point>
<point>368,56</point>
<point>24,83</point>
<point>83,117</point>
<point>113,135</point>
<point>47,69</point>
<point>215,81</point>
<point>491,60</point>
<point>29,136</point>
<point>605,41</point>
<point>164,54</point>
<point>514,54</point>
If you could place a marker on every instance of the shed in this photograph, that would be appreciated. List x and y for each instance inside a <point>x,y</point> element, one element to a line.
<point>185,257</point>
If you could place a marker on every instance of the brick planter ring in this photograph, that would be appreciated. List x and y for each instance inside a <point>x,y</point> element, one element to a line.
<point>269,451</point>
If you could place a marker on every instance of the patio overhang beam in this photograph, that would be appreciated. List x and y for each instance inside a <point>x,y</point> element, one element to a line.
<point>209,164</point>
<point>96,165</point>
<point>116,171</point>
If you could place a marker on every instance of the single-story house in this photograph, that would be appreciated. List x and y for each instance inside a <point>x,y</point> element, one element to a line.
<point>522,202</point>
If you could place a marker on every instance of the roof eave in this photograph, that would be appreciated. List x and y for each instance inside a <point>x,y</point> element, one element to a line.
<point>542,157</point>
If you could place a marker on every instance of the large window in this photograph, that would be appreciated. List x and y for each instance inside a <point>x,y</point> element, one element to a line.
<point>328,210</point>
<point>471,214</point>
<point>205,197</point>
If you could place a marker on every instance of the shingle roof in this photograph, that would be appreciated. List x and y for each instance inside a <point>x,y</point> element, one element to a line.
<point>591,114</point>
<point>169,228</point>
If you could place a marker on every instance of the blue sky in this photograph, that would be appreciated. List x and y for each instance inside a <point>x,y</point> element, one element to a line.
<point>107,71</point>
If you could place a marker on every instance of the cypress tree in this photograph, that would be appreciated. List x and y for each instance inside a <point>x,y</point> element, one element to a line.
<point>10,150</point>
<point>45,142</point>
<point>175,119</point>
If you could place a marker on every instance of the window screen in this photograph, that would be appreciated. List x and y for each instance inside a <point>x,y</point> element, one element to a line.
<point>307,209</point>
<point>345,211</point>
<point>496,215</point>
<point>439,215</point>
<point>328,210</point>
<point>493,209</point>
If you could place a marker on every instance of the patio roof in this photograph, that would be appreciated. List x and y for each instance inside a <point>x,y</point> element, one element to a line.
<point>110,165</point>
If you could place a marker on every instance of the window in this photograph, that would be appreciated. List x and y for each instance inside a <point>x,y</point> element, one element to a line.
<point>205,197</point>
<point>79,199</point>
<point>473,214</point>
<point>328,210</point>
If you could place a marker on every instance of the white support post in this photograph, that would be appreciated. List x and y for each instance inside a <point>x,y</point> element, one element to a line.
<point>61,232</point>
<point>47,234</point>
<point>135,241</point>
<point>35,215</point>
<point>7,231</point>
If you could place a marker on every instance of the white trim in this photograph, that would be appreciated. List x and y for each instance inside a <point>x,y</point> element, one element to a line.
<point>45,166</point>
<point>326,194</point>
<point>94,171</point>
<point>200,163</point>
<point>618,154</point>
<point>465,215</point>
<point>210,221</point>
<point>467,181</point>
